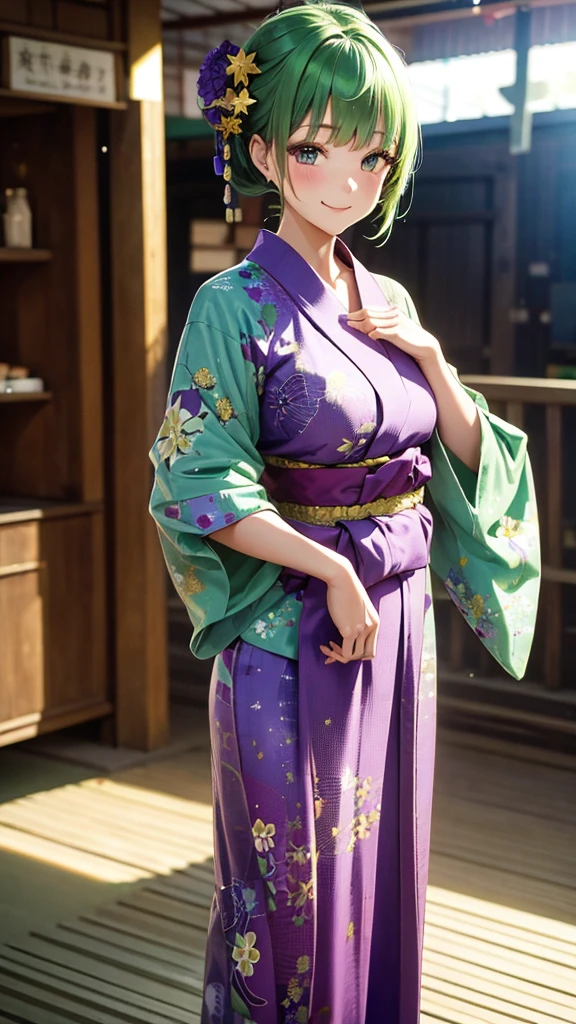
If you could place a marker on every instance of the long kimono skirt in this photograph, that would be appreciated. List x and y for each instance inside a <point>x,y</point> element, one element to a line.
<point>322,785</point>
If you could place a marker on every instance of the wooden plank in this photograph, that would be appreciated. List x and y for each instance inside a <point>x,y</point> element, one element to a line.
<point>507,938</point>
<point>135,963</point>
<point>135,922</point>
<point>553,545</point>
<point>194,897</point>
<point>113,971</point>
<point>89,303</point>
<point>58,972</point>
<point>523,992</point>
<point>552,945</point>
<point>83,1000</point>
<point>482,999</point>
<point>519,965</point>
<point>456,1011</point>
<point>503,887</point>
<point>547,929</point>
<point>27,995</point>
<point>35,32</point>
<point>25,255</point>
<point>77,816</point>
<point>28,1012</point>
<point>170,804</point>
<point>146,947</point>
<point>106,845</point>
<point>200,880</point>
<point>71,859</point>
<point>98,807</point>
<point>528,390</point>
<point>170,909</point>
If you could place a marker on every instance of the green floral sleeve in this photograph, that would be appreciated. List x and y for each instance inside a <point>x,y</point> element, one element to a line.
<point>207,472</point>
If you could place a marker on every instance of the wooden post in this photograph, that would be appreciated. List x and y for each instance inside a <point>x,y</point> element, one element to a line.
<point>553,653</point>
<point>139,322</point>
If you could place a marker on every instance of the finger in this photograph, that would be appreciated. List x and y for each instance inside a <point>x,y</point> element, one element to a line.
<point>358,649</point>
<point>328,653</point>
<point>357,314</point>
<point>371,641</point>
<point>348,643</point>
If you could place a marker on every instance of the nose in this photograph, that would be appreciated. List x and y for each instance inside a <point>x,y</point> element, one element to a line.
<point>352,185</point>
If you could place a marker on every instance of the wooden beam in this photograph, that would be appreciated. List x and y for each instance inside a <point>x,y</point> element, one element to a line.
<point>33,32</point>
<point>394,13</point>
<point>139,314</point>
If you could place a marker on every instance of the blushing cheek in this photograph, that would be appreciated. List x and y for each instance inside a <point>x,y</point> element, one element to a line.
<point>307,176</point>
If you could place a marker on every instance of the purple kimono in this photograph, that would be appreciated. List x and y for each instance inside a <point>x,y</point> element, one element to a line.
<point>323,773</point>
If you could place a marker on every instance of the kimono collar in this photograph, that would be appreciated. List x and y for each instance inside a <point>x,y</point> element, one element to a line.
<point>291,271</point>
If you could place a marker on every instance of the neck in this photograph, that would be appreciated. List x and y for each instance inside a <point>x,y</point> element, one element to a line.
<point>313,244</point>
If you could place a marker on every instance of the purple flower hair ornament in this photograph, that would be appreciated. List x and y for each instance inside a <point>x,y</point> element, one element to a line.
<point>223,106</point>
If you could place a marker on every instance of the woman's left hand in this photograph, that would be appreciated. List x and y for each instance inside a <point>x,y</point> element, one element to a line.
<point>391,324</point>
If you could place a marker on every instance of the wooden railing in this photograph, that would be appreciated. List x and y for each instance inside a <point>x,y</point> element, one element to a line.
<point>508,397</point>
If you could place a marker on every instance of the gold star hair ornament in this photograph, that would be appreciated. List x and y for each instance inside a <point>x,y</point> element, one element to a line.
<point>241,66</point>
<point>223,107</point>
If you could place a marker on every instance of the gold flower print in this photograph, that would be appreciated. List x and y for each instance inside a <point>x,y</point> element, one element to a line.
<point>245,953</point>
<point>295,990</point>
<point>302,1015</point>
<point>187,584</point>
<point>302,894</point>
<point>262,833</point>
<point>350,932</point>
<point>225,409</point>
<point>303,964</point>
<point>203,378</point>
<point>296,855</point>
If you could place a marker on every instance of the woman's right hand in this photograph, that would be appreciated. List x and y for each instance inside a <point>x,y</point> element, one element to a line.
<point>354,616</point>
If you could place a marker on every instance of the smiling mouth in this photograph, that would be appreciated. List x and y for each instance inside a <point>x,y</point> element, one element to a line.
<point>338,209</point>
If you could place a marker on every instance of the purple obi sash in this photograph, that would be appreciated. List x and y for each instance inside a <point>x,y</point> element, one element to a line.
<point>377,545</point>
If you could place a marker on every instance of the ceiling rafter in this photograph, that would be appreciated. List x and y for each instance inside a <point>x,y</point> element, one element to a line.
<point>399,13</point>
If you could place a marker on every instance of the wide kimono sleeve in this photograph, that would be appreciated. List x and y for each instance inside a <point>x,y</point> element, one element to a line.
<point>207,472</point>
<point>485,544</point>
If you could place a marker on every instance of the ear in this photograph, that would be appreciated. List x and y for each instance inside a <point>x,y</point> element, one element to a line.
<point>261,157</point>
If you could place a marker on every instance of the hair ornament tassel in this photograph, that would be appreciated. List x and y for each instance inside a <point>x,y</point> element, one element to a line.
<point>223,108</point>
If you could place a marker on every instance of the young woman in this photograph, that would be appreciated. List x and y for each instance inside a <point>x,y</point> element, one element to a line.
<point>289,493</point>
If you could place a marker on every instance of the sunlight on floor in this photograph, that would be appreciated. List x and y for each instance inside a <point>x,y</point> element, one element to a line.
<point>108,831</point>
<point>522,964</point>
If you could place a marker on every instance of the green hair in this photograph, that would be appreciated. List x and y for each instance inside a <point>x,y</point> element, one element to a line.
<point>314,53</point>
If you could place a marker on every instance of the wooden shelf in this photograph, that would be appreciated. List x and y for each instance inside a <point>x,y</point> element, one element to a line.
<point>24,255</point>
<point>23,510</point>
<point>25,396</point>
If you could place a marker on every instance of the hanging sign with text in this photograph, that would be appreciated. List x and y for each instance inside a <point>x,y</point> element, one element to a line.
<point>60,71</point>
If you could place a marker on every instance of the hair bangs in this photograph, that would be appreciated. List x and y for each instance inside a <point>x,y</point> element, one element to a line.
<point>310,56</point>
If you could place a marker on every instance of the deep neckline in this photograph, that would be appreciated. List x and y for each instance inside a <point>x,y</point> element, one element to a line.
<point>303,272</point>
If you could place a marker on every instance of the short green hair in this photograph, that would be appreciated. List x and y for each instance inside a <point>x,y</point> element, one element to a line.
<point>309,55</point>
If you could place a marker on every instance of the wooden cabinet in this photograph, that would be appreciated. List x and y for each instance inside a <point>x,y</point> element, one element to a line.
<point>53,663</point>
<point>54,637</point>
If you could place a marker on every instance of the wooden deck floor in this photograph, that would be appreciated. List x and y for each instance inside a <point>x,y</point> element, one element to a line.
<point>501,919</point>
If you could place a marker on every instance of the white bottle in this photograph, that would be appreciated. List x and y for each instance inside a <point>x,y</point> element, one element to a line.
<point>17,219</point>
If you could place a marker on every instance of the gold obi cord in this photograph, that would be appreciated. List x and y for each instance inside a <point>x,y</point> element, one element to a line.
<point>328,515</point>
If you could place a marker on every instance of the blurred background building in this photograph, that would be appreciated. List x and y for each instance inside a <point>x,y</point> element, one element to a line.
<point>98,121</point>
